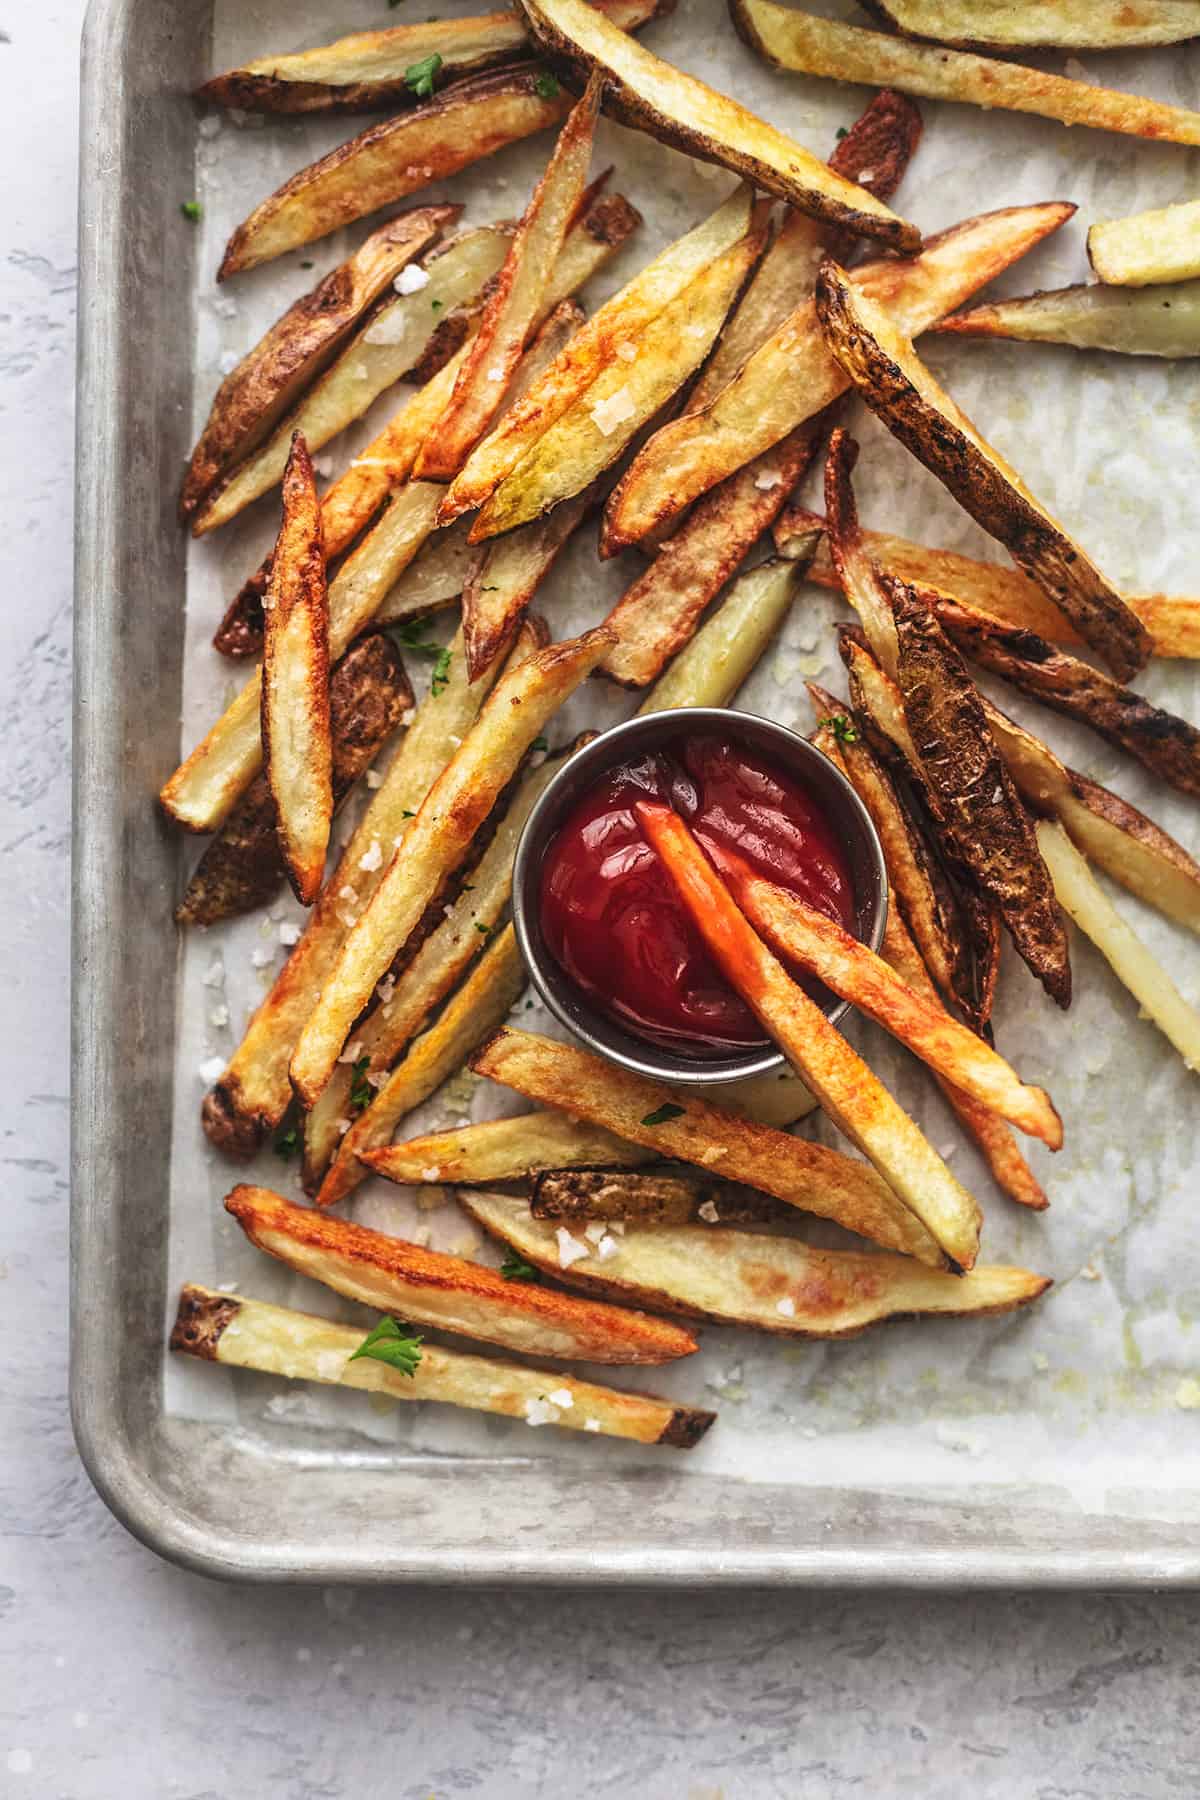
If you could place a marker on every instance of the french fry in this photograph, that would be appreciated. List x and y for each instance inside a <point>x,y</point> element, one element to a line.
<point>250,1334</point>
<point>370,70</point>
<point>857,575</point>
<point>657,614</point>
<point>795,930</point>
<point>793,376</point>
<point>1148,249</point>
<point>433,580</point>
<point>592,434</point>
<point>1173,621</point>
<point>479,1007</point>
<point>859,1105</point>
<point>394,158</point>
<point>619,322</point>
<point>452,812</point>
<point>270,378</point>
<point>1063,24</point>
<point>297,747</point>
<point>466,1298</point>
<point>880,360</point>
<point>1133,965</point>
<point>506,574</point>
<point>504,1150</point>
<point>689,1128</point>
<point>657,1197</point>
<point>242,867</point>
<point>750,1278</point>
<point>1164,743</point>
<point>514,303</point>
<point>652,96</point>
<point>1158,321</point>
<point>807,45</point>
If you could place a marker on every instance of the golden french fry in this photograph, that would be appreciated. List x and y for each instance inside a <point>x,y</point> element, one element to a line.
<point>1062,24</point>
<point>433,580</point>
<point>857,574</point>
<point>1158,321</point>
<point>504,1150</point>
<point>506,574</point>
<point>1149,248</point>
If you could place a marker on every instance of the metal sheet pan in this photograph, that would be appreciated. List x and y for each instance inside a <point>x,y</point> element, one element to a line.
<point>295,1500</point>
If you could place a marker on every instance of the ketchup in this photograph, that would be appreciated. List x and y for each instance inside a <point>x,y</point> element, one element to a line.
<point>610,912</point>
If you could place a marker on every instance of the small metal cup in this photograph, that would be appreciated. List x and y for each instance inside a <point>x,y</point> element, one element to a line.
<point>623,743</point>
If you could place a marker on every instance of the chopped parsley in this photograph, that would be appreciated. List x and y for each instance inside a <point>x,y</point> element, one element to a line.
<point>419,75</point>
<point>388,1343</point>
<point>842,133</point>
<point>664,1113</point>
<point>843,727</point>
<point>540,743</point>
<point>484,930</point>
<point>308,265</point>
<point>441,674</point>
<point>515,1268</point>
<point>361,1091</point>
<point>407,815</point>
<point>546,87</point>
<point>192,211</point>
<point>287,1144</point>
<point>411,635</point>
<point>436,305</point>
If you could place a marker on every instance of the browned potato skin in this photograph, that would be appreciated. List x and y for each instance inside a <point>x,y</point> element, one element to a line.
<point>242,867</point>
<point>658,1197</point>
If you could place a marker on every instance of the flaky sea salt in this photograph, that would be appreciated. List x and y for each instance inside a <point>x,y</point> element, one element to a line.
<point>707,1211</point>
<point>411,279</point>
<point>608,414</point>
<point>786,1307</point>
<point>289,934</point>
<point>373,858</point>
<point>569,1248</point>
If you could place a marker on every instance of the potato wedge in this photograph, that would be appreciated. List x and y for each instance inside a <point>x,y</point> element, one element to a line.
<point>857,574</point>
<point>1149,248</point>
<point>792,376</point>
<point>805,936</point>
<point>666,1196</point>
<point>1064,24</point>
<point>394,158</point>
<point>454,809</point>
<point>506,574</point>
<point>297,745</point>
<point>1161,741</point>
<point>242,867</point>
<point>652,96</point>
<point>298,347</point>
<point>593,433</point>
<point>611,333</point>
<point>515,301</point>
<point>659,611</point>
<point>429,1288</point>
<point>799,41</point>
<point>369,70</point>
<point>751,1278</point>
<point>691,1129</point>
<point>899,389</point>
<point>1093,912</point>
<point>249,1334</point>
<point>504,1150</point>
<point>433,580</point>
<point>1159,321</point>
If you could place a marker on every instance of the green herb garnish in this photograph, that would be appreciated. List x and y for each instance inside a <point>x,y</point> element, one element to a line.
<point>436,305</point>
<point>540,743</point>
<point>515,1268</point>
<point>388,1343</point>
<point>192,211</point>
<point>843,727</point>
<point>664,1113</point>
<point>483,930</point>
<point>361,1091</point>
<point>419,75</point>
<point>410,635</point>
<point>841,133</point>
<point>546,87</point>
<point>441,673</point>
<point>287,1144</point>
<point>407,815</point>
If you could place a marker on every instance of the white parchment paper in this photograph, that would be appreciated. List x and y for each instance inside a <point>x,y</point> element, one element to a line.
<point>1089,1396</point>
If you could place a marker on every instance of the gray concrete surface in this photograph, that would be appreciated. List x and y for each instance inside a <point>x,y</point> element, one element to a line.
<point>120,1676</point>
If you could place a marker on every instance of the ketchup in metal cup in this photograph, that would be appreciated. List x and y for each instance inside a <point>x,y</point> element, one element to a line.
<point>610,912</point>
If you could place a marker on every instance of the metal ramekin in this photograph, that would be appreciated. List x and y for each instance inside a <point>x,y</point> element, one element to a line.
<point>790,752</point>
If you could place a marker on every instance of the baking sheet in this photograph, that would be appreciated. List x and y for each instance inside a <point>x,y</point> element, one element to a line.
<point>1087,1397</point>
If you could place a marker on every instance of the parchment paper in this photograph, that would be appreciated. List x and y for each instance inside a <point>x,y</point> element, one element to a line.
<point>1087,1396</point>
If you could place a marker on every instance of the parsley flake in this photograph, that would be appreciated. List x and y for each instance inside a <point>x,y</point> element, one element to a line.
<point>436,305</point>
<point>441,674</point>
<point>515,1268</point>
<point>540,743</point>
<point>192,211</point>
<point>483,930</point>
<point>664,1113</point>
<point>842,133</point>
<point>287,1144</point>
<point>546,87</point>
<point>843,728</point>
<point>411,635</point>
<point>419,75</point>
<point>361,1091</point>
<point>389,1344</point>
<point>407,815</point>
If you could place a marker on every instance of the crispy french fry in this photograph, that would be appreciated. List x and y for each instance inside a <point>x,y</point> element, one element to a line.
<point>250,1334</point>
<point>394,158</point>
<point>651,95</point>
<point>793,376</point>
<point>429,1288</point>
<point>270,378</point>
<point>1149,248</point>
<point>799,41</point>
<point>504,1150</point>
<point>505,576</point>
<point>1133,965</point>
<point>433,580</point>
<point>592,434</point>
<point>668,1196</point>
<point>1158,321</point>
<point>880,360</point>
<point>297,745</point>
<point>685,1126</point>
<point>515,301</point>
<point>659,611</point>
<point>799,932</point>
<point>371,69</point>
<point>751,1278</point>
<point>611,333</point>
<point>242,867</point>
<point>1164,743</point>
<point>857,574</point>
<point>1065,24</point>
<point>452,812</point>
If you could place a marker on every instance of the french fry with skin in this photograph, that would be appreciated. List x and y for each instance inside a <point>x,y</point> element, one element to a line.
<point>456,806</point>
<point>1053,24</point>
<point>369,70</point>
<point>665,1196</point>
<point>769,1283</point>
<point>652,96</point>
<point>1157,321</point>
<point>250,1334</point>
<point>1133,965</point>
<point>799,41</point>
<point>299,346</point>
<point>428,1288</point>
<point>857,575</point>
<point>506,574</point>
<point>515,301</point>
<point>394,158</point>
<point>879,358</point>
<point>691,1129</point>
<point>1147,249</point>
<point>297,746</point>
<point>793,376</point>
<point>433,580</point>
